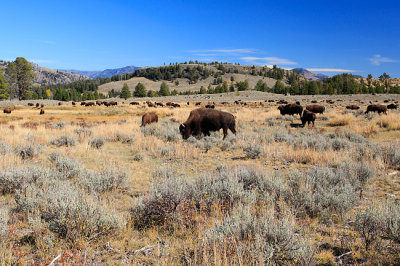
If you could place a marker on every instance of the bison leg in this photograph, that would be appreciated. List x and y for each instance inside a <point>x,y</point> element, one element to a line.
<point>225,130</point>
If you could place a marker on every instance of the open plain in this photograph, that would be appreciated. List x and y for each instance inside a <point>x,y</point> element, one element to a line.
<point>90,185</point>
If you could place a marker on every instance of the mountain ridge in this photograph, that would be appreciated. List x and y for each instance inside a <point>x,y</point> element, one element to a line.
<point>310,75</point>
<point>103,73</point>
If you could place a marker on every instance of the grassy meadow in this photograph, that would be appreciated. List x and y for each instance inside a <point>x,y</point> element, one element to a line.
<point>90,185</point>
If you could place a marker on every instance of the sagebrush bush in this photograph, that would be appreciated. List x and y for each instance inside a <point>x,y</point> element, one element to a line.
<point>99,182</point>
<point>64,141</point>
<point>369,223</point>
<point>253,151</point>
<point>68,168</point>
<point>253,239</point>
<point>28,152</point>
<point>5,148</point>
<point>164,173</point>
<point>68,211</point>
<point>391,225</point>
<point>391,155</point>
<point>3,221</point>
<point>18,178</point>
<point>83,133</point>
<point>96,143</point>
<point>165,130</point>
<point>58,125</point>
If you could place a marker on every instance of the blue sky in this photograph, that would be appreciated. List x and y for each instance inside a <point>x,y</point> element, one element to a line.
<point>352,36</point>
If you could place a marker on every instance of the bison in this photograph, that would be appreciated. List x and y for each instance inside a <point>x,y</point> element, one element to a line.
<point>315,108</point>
<point>30,104</point>
<point>210,106</point>
<point>7,110</point>
<point>376,108</point>
<point>204,120</point>
<point>60,103</point>
<point>42,105</point>
<point>290,109</point>
<point>73,103</point>
<point>42,111</point>
<point>134,103</point>
<point>353,107</point>
<point>392,106</point>
<point>308,117</point>
<point>37,105</point>
<point>148,118</point>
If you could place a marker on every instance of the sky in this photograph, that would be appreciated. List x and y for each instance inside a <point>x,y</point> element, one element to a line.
<point>329,37</point>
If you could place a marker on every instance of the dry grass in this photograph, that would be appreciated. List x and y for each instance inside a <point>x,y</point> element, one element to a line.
<point>140,157</point>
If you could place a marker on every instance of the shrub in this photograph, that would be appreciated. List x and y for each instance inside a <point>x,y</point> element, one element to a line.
<point>69,168</point>
<point>5,149</point>
<point>165,130</point>
<point>59,125</point>
<point>138,157</point>
<point>83,133</point>
<point>128,140</point>
<point>68,211</point>
<point>3,221</point>
<point>253,238</point>
<point>18,178</point>
<point>96,143</point>
<point>391,155</point>
<point>64,141</point>
<point>253,151</point>
<point>369,223</point>
<point>28,152</point>
<point>164,173</point>
<point>391,225</point>
<point>102,181</point>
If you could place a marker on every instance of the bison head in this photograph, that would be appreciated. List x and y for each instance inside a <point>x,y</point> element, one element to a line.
<point>185,131</point>
<point>282,109</point>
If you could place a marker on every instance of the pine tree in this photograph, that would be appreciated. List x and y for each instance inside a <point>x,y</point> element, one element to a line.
<point>125,92</point>
<point>140,90</point>
<point>24,76</point>
<point>164,89</point>
<point>3,87</point>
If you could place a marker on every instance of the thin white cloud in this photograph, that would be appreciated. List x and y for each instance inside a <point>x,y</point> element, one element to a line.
<point>204,54</point>
<point>378,60</point>
<point>41,61</point>
<point>331,70</point>
<point>227,51</point>
<point>268,60</point>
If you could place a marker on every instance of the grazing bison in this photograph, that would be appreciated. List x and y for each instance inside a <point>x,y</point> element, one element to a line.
<point>282,102</point>
<point>353,107</point>
<point>392,106</point>
<point>90,104</point>
<point>42,105</point>
<point>30,104</point>
<point>290,109</point>
<point>376,108</point>
<point>42,111</point>
<point>134,103</point>
<point>210,106</point>
<point>148,118</point>
<point>37,105</point>
<point>204,120</point>
<point>314,101</point>
<point>7,110</point>
<point>160,104</point>
<point>60,103</point>
<point>315,108</point>
<point>198,103</point>
<point>73,103</point>
<point>308,117</point>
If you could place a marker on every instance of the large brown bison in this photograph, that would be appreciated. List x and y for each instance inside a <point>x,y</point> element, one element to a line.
<point>204,120</point>
<point>315,108</point>
<point>7,110</point>
<point>376,108</point>
<point>392,106</point>
<point>41,111</point>
<point>308,117</point>
<point>290,109</point>
<point>353,107</point>
<point>148,118</point>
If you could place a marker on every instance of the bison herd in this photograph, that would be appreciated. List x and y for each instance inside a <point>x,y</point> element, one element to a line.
<point>204,120</point>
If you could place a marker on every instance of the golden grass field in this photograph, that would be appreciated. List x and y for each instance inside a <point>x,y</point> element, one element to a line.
<point>160,168</point>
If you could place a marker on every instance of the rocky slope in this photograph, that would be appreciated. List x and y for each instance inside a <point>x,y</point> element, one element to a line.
<point>47,76</point>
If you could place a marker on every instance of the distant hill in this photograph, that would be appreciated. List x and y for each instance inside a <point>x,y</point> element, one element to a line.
<point>310,75</point>
<point>105,73</point>
<point>191,77</point>
<point>47,76</point>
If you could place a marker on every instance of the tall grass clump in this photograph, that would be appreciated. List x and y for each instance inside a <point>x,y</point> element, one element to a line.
<point>253,151</point>
<point>391,155</point>
<point>28,152</point>
<point>96,143</point>
<point>68,168</point>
